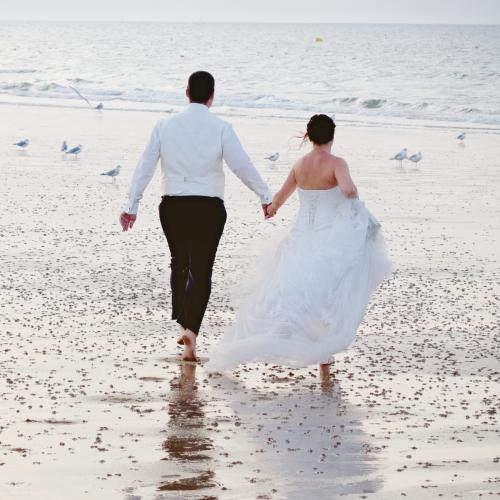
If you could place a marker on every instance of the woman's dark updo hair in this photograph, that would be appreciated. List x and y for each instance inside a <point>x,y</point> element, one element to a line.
<point>320,129</point>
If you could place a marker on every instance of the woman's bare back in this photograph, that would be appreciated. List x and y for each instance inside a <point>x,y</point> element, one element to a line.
<point>318,169</point>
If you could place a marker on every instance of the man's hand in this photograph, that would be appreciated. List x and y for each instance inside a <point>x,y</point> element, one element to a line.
<point>127,220</point>
<point>265,209</point>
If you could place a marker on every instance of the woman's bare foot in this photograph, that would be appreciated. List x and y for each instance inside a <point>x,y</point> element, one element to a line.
<point>189,340</point>
<point>324,372</point>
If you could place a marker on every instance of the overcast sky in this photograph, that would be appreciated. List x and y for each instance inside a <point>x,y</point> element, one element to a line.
<point>332,11</point>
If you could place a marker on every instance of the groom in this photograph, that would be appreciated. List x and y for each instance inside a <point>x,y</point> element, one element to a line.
<point>191,146</point>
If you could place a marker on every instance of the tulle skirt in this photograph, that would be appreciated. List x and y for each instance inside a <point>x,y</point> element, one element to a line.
<point>305,298</point>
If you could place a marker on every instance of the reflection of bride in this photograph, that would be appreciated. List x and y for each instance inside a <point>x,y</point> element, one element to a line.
<point>308,443</point>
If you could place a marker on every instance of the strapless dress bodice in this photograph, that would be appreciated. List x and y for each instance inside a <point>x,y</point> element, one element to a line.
<point>318,207</point>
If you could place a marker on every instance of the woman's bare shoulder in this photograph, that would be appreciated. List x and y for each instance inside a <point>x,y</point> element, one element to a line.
<point>338,163</point>
<point>303,160</point>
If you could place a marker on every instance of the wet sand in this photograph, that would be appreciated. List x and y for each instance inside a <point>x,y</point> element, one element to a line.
<point>94,402</point>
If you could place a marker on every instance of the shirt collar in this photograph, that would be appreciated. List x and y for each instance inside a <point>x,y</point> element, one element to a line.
<point>196,106</point>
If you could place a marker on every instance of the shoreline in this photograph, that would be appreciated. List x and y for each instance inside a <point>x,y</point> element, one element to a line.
<point>258,114</point>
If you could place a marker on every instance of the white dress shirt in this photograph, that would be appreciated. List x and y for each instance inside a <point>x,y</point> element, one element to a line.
<point>192,145</point>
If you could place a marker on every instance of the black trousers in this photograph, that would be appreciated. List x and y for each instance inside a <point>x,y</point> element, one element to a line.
<point>193,226</point>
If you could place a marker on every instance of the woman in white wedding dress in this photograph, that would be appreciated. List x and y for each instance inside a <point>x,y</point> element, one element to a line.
<point>312,291</point>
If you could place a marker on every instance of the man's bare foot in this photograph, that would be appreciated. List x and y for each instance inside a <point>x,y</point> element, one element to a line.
<point>189,340</point>
<point>180,341</point>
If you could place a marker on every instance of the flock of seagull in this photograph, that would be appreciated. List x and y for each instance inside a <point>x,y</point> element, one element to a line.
<point>416,157</point>
<point>75,151</point>
<point>403,155</point>
<point>114,172</point>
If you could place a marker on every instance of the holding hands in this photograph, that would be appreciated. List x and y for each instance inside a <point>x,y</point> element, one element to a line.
<point>127,220</point>
<point>269,210</point>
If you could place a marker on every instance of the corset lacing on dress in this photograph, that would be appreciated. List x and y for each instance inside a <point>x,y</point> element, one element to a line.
<point>313,206</point>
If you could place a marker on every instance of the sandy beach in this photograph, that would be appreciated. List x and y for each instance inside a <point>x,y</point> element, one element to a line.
<point>94,403</point>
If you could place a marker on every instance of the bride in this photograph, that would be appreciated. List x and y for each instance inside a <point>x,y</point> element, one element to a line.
<point>312,292</point>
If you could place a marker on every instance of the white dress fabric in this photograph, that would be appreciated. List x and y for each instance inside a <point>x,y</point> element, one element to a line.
<point>305,301</point>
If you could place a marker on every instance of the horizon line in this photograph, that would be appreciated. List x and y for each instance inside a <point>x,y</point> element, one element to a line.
<point>133,21</point>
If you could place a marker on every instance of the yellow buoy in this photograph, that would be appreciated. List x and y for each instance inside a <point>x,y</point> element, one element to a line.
<point>318,39</point>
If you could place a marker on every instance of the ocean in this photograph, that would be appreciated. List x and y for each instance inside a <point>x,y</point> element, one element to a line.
<point>391,72</point>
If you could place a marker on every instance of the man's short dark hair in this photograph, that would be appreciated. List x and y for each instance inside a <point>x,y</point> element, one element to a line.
<point>201,85</point>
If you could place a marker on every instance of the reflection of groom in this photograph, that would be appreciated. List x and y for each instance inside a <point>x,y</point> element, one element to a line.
<point>191,146</point>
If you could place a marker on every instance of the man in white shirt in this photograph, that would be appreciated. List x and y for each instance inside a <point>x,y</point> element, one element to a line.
<point>191,146</point>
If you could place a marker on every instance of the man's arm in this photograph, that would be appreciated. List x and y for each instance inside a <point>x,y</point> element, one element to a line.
<point>143,174</point>
<point>239,162</point>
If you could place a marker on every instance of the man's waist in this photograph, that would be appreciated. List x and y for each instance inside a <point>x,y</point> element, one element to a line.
<point>186,186</point>
<point>207,178</point>
<point>186,197</point>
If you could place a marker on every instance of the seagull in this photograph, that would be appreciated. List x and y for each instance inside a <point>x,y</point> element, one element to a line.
<point>113,173</point>
<point>400,157</point>
<point>22,144</point>
<point>64,147</point>
<point>99,107</point>
<point>74,151</point>
<point>415,158</point>
<point>461,136</point>
<point>81,96</point>
<point>273,157</point>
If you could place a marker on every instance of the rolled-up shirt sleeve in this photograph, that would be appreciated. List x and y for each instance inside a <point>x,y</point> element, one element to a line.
<point>239,162</point>
<point>144,172</point>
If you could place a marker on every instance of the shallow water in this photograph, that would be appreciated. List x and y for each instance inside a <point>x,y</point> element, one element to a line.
<point>428,72</point>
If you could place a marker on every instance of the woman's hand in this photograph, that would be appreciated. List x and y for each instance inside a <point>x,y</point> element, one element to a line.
<point>271,210</point>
